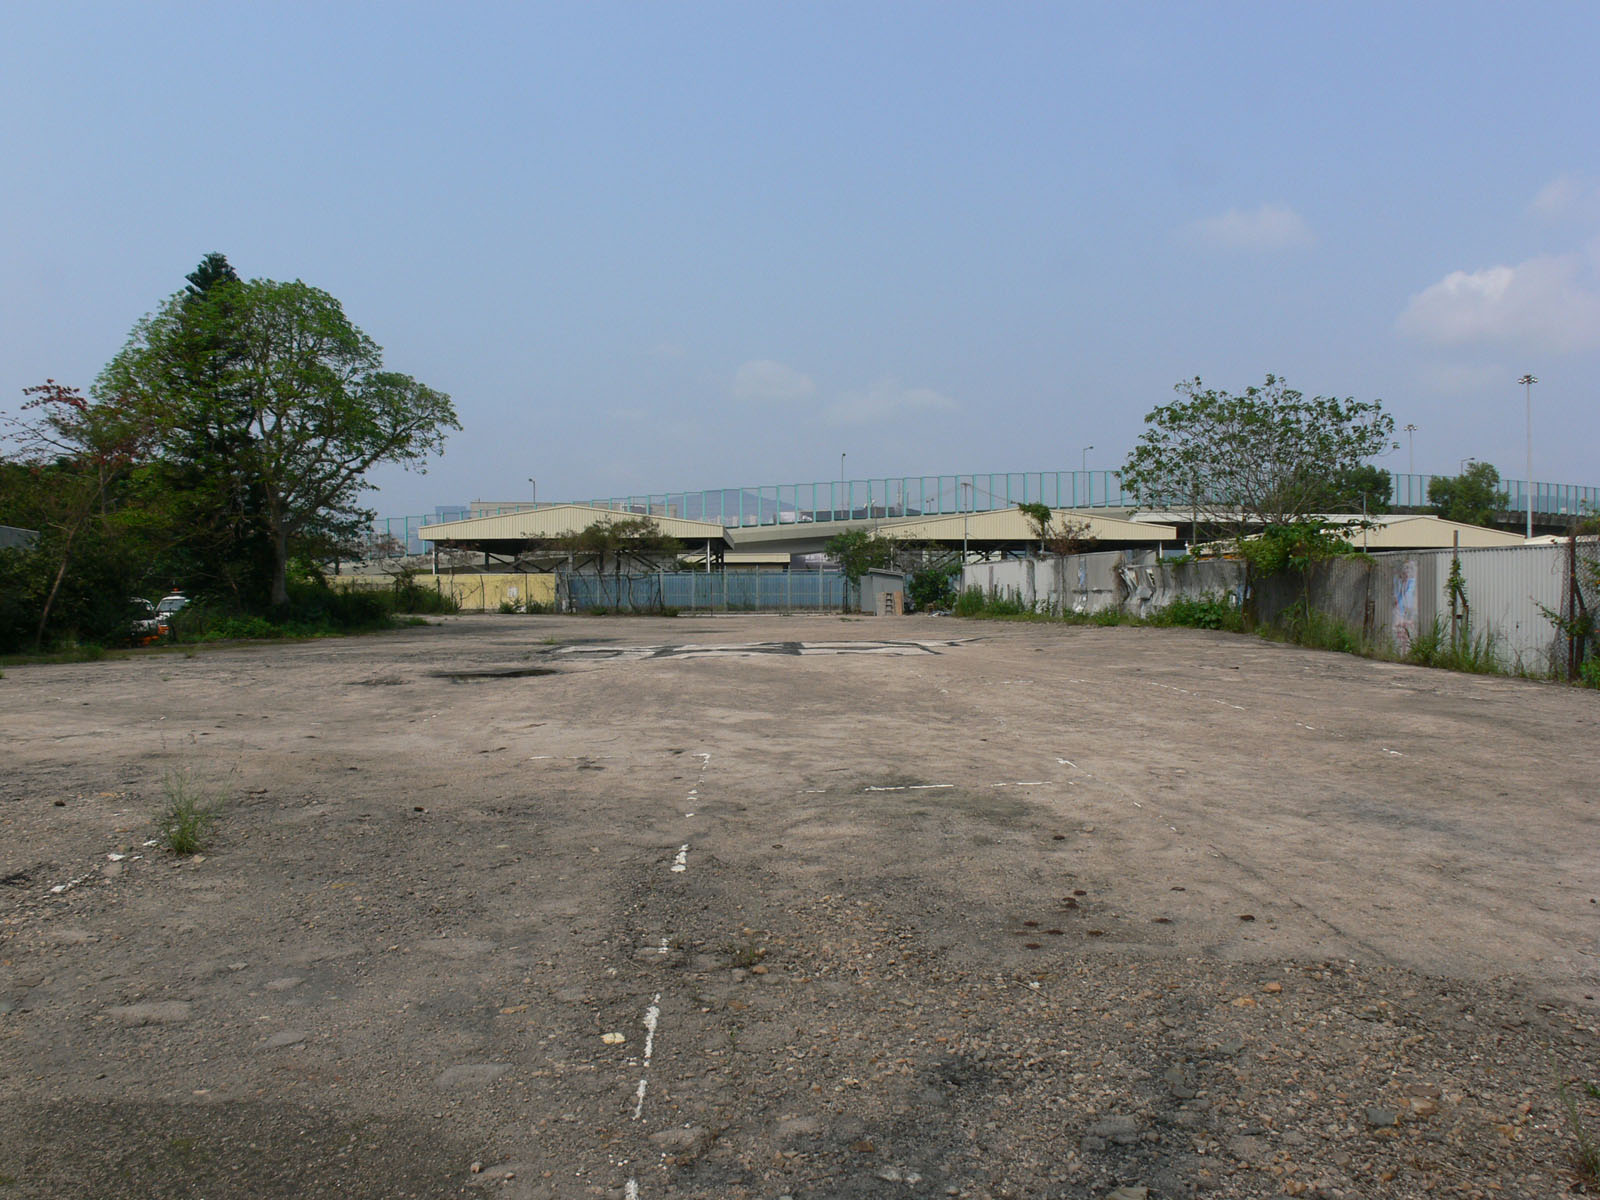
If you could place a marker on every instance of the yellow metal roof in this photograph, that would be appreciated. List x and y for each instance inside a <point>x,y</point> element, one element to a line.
<point>1426,533</point>
<point>999,525</point>
<point>559,520</point>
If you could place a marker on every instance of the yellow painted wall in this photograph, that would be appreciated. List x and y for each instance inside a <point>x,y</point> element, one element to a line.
<point>475,593</point>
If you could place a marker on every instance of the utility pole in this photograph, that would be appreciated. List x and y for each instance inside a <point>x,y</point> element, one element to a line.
<point>1411,450</point>
<point>1527,382</point>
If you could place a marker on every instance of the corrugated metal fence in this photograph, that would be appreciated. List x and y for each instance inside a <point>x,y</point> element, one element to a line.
<point>1509,590</point>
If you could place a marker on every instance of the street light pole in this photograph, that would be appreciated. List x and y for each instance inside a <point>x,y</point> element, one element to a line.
<point>1083,469</point>
<point>841,482</point>
<point>1527,382</point>
<point>966,518</point>
<point>1411,450</point>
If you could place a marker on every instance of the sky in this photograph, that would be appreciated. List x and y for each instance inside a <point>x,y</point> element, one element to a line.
<point>653,247</point>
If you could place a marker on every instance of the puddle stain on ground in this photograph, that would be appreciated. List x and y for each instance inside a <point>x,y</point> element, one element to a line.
<point>492,673</point>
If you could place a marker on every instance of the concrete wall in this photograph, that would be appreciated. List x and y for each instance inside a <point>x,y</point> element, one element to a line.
<point>1390,597</point>
<point>1080,583</point>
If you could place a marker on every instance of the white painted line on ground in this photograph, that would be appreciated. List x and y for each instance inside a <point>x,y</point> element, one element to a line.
<point>680,863</point>
<point>652,1016</point>
<point>1067,762</point>
<point>910,787</point>
<point>1396,753</point>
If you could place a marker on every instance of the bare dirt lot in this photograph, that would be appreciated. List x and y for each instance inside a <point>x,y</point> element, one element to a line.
<point>514,907</point>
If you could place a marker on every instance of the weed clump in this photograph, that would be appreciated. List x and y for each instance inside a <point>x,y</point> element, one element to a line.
<point>184,825</point>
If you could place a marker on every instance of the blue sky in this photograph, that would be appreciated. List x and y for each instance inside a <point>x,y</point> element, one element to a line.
<point>653,246</point>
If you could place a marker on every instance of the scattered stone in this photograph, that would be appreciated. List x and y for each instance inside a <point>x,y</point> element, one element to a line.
<point>160,1012</point>
<point>288,1037</point>
<point>1382,1118</point>
<point>470,1075</point>
<point>1272,988</point>
<point>1124,1131</point>
<point>682,1140</point>
<point>1129,1193</point>
<point>613,1039</point>
<point>284,984</point>
<point>1178,1084</point>
<point>797,1127</point>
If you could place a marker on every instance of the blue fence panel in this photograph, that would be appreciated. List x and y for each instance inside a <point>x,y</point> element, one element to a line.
<point>719,591</point>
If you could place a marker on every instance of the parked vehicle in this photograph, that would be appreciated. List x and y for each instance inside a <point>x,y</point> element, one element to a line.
<point>143,627</point>
<point>168,607</point>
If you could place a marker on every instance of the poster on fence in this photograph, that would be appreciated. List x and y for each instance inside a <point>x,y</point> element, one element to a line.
<point>1405,605</point>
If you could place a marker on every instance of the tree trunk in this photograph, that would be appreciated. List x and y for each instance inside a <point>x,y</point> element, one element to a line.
<point>280,567</point>
<point>55,586</point>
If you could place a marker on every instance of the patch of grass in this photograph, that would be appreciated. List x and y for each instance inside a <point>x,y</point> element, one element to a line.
<point>1476,654</point>
<point>184,826</point>
<point>1586,1152</point>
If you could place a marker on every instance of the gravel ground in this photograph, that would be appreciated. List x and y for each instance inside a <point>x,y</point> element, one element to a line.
<point>816,907</point>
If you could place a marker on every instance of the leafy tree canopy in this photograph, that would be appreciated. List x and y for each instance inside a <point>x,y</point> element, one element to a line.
<point>1472,497</point>
<point>296,398</point>
<point>1359,489</point>
<point>858,551</point>
<point>1267,455</point>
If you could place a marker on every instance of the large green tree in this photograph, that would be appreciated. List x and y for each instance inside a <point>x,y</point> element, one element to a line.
<point>1266,456</point>
<point>271,384</point>
<point>217,500</point>
<point>1473,497</point>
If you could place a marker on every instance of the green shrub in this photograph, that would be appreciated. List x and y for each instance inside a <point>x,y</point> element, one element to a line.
<point>1201,612</point>
<point>184,825</point>
<point>933,588</point>
<point>970,602</point>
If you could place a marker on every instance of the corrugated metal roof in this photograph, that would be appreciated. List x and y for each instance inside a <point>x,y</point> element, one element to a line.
<point>998,525</point>
<point>1427,533</point>
<point>558,520</point>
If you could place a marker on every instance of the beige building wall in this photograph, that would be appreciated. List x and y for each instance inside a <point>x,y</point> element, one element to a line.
<point>475,593</point>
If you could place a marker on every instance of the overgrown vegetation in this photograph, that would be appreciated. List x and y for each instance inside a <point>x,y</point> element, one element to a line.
<point>230,437</point>
<point>185,824</point>
<point>1473,497</point>
<point>933,589</point>
<point>1201,612</point>
<point>1586,1149</point>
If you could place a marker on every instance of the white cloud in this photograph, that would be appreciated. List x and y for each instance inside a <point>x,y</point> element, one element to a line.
<point>886,401</point>
<point>1567,198</point>
<point>1270,227</point>
<point>762,381</point>
<point>1557,198</point>
<point>1546,303</point>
